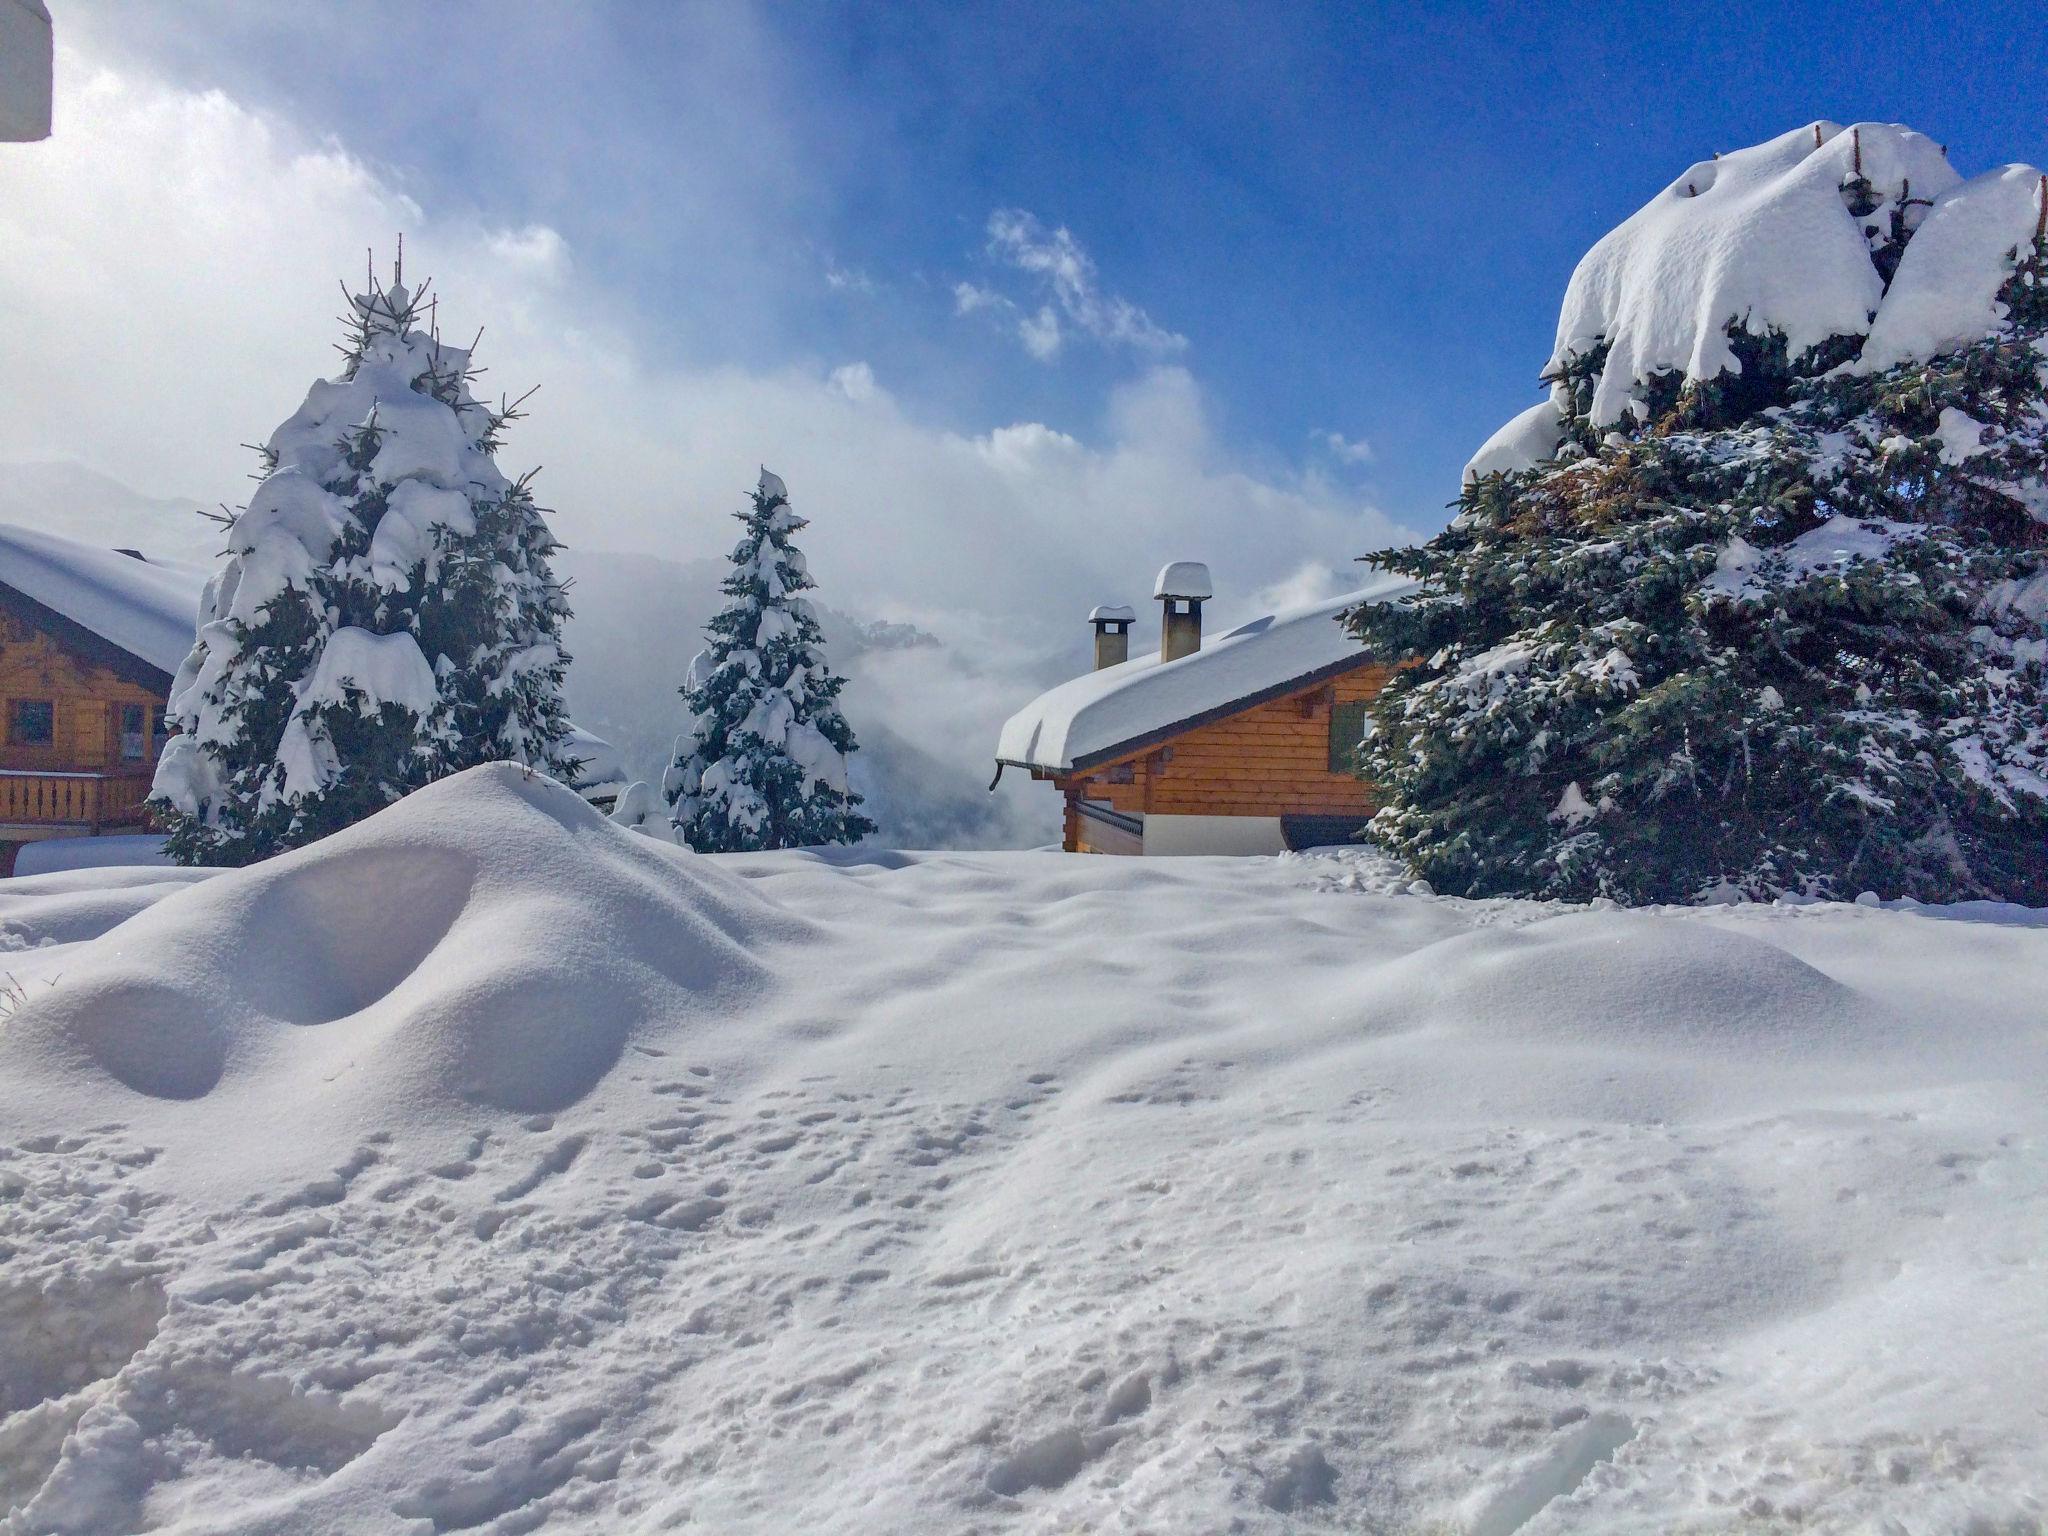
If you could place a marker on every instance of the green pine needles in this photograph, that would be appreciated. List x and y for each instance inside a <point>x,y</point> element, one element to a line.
<point>763,763</point>
<point>1782,635</point>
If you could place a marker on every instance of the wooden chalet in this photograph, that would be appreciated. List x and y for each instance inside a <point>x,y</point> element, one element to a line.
<point>1241,745</point>
<point>89,640</point>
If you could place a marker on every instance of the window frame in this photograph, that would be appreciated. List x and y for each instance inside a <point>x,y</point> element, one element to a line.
<point>139,736</point>
<point>17,709</point>
<point>1343,750</point>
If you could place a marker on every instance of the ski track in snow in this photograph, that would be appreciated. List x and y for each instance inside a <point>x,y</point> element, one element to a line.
<point>1020,1193</point>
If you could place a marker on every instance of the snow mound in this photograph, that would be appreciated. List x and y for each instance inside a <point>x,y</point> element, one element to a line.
<point>489,940</point>
<point>1764,237</point>
<point>1606,981</point>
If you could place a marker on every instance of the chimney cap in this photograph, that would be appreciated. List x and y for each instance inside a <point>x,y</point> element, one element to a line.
<point>1112,613</point>
<point>1184,579</point>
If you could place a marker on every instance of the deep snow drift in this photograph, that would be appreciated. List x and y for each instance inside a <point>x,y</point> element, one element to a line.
<point>487,1167</point>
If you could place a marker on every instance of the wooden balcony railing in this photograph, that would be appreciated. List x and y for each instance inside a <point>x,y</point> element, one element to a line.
<point>72,799</point>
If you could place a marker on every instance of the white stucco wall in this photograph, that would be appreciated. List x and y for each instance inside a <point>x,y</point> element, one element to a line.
<point>1213,835</point>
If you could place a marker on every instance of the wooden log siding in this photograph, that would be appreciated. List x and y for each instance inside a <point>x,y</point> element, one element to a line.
<point>1272,759</point>
<point>81,776</point>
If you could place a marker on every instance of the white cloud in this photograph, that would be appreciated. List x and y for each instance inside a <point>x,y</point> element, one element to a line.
<point>848,279</point>
<point>856,381</point>
<point>1040,334</point>
<point>167,288</point>
<point>969,299</point>
<point>1069,276</point>
<point>1346,450</point>
<point>1313,581</point>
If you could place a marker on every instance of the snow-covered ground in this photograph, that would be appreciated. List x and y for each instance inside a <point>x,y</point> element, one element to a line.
<point>489,1168</point>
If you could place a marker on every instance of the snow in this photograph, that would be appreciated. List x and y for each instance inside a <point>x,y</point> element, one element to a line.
<point>1090,715</point>
<point>1762,236</point>
<point>1526,441</point>
<point>1184,578</point>
<point>383,669</point>
<point>1573,809</point>
<point>1112,613</point>
<point>488,1167</point>
<point>604,769</point>
<point>146,607</point>
<point>406,534</point>
<point>1765,238</point>
<point>1945,293</point>
<point>1745,572</point>
<point>1961,435</point>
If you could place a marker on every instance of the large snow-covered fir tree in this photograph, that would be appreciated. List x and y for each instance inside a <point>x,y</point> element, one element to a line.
<point>763,763</point>
<point>1754,602</point>
<point>386,614</point>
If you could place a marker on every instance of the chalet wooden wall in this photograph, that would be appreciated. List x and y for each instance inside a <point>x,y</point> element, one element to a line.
<point>87,694</point>
<point>1272,759</point>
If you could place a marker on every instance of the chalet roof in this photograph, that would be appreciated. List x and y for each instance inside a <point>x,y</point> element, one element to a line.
<point>1100,715</point>
<point>149,608</point>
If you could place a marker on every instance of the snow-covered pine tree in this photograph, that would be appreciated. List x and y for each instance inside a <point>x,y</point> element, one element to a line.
<point>386,614</point>
<point>1755,601</point>
<point>763,764</point>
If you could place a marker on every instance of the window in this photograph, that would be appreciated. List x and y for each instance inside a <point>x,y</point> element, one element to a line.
<point>1347,729</point>
<point>34,723</point>
<point>133,743</point>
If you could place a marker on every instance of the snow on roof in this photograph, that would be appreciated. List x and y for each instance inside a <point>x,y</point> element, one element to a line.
<point>1092,716</point>
<point>1184,578</point>
<point>603,767</point>
<point>148,608</point>
<point>1112,613</point>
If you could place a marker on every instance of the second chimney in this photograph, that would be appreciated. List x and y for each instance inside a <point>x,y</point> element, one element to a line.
<point>1182,588</point>
<point>1112,634</point>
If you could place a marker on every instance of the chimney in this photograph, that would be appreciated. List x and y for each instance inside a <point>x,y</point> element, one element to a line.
<point>1112,634</point>
<point>1183,587</point>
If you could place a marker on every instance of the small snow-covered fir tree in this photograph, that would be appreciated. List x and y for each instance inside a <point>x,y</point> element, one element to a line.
<point>763,763</point>
<point>1755,602</point>
<point>386,614</point>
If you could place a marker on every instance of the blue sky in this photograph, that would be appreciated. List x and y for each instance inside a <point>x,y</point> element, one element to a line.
<point>1360,219</point>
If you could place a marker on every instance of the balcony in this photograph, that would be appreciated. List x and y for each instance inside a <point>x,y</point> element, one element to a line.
<point>89,801</point>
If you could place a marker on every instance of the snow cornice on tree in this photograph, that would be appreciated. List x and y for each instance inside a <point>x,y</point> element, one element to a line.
<point>1856,247</point>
